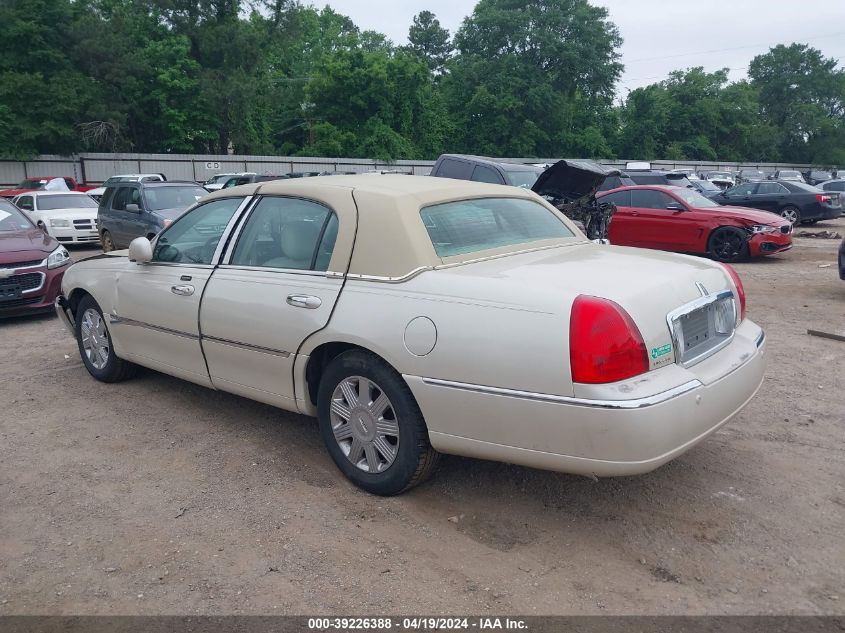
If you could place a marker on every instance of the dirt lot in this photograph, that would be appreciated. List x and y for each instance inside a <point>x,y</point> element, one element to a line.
<point>157,496</point>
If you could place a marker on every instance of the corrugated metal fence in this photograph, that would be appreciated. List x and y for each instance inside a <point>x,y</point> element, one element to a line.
<point>95,168</point>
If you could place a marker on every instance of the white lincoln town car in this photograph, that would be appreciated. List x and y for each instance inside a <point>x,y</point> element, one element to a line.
<point>415,316</point>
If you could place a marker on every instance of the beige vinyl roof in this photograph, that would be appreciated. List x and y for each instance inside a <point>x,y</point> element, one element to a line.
<point>391,240</point>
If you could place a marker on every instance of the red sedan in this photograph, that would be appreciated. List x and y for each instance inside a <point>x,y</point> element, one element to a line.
<point>31,264</point>
<point>681,219</point>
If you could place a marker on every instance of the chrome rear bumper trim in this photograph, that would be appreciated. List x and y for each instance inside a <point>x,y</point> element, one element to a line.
<point>638,403</point>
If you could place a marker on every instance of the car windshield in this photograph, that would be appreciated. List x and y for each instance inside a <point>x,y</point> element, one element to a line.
<point>524,179</point>
<point>753,174</point>
<point>694,199</point>
<point>171,197</point>
<point>66,201</point>
<point>468,226</point>
<point>12,219</point>
<point>720,174</point>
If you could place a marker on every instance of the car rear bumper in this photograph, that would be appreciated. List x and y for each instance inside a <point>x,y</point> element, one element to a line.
<point>820,212</point>
<point>591,437</point>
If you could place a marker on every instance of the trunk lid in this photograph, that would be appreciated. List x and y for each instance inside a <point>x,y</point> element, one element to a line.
<point>571,180</point>
<point>647,284</point>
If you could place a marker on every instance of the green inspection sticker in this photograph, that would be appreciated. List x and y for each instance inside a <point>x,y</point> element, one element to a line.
<point>657,352</point>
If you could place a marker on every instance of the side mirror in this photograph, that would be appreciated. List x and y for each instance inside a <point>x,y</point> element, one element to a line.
<point>140,250</point>
<point>134,208</point>
<point>675,206</point>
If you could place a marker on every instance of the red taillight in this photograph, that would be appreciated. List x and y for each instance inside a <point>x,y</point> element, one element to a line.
<point>604,343</point>
<point>740,291</point>
<point>824,198</point>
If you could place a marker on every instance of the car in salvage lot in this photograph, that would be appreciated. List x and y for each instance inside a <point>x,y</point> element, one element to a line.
<point>130,209</point>
<point>69,216</point>
<point>486,326</point>
<point>681,219</point>
<point>31,264</point>
<point>797,202</point>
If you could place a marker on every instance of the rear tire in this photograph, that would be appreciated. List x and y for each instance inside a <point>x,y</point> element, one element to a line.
<point>728,244</point>
<point>95,348</point>
<point>791,213</point>
<point>372,426</point>
<point>107,242</point>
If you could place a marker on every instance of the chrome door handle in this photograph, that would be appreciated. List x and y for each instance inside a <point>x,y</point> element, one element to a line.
<point>185,290</point>
<point>304,301</point>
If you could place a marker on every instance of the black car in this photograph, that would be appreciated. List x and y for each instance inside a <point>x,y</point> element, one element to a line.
<point>798,202</point>
<point>483,169</point>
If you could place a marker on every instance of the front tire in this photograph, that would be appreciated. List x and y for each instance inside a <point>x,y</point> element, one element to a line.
<point>728,244</point>
<point>372,426</point>
<point>95,347</point>
<point>107,242</point>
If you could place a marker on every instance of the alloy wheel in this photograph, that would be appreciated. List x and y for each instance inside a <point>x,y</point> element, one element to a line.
<point>791,214</point>
<point>364,424</point>
<point>727,245</point>
<point>95,338</point>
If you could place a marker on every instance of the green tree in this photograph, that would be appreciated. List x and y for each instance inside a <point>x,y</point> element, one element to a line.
<point>803,94</point>
<point>521,69</point>
<point>429,41</point>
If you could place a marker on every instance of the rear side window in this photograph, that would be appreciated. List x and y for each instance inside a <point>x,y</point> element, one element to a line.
<point>485,174</point>
<point>468,226</point>
<point>649,199</point>
<point>70,184</point>
<point>451,168</point>
<point>287,233</point>
<point>770,188</point>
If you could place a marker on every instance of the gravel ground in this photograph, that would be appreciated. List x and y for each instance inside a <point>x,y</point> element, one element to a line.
<point>156,496</point>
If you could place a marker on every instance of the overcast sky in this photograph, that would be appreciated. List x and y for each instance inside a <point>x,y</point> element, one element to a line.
<point>660,35</point>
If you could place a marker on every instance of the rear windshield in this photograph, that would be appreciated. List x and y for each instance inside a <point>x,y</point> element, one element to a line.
<point>468,226</point>
<point>11,218</point>
<point>46,203</point>
<point>171,197</point>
